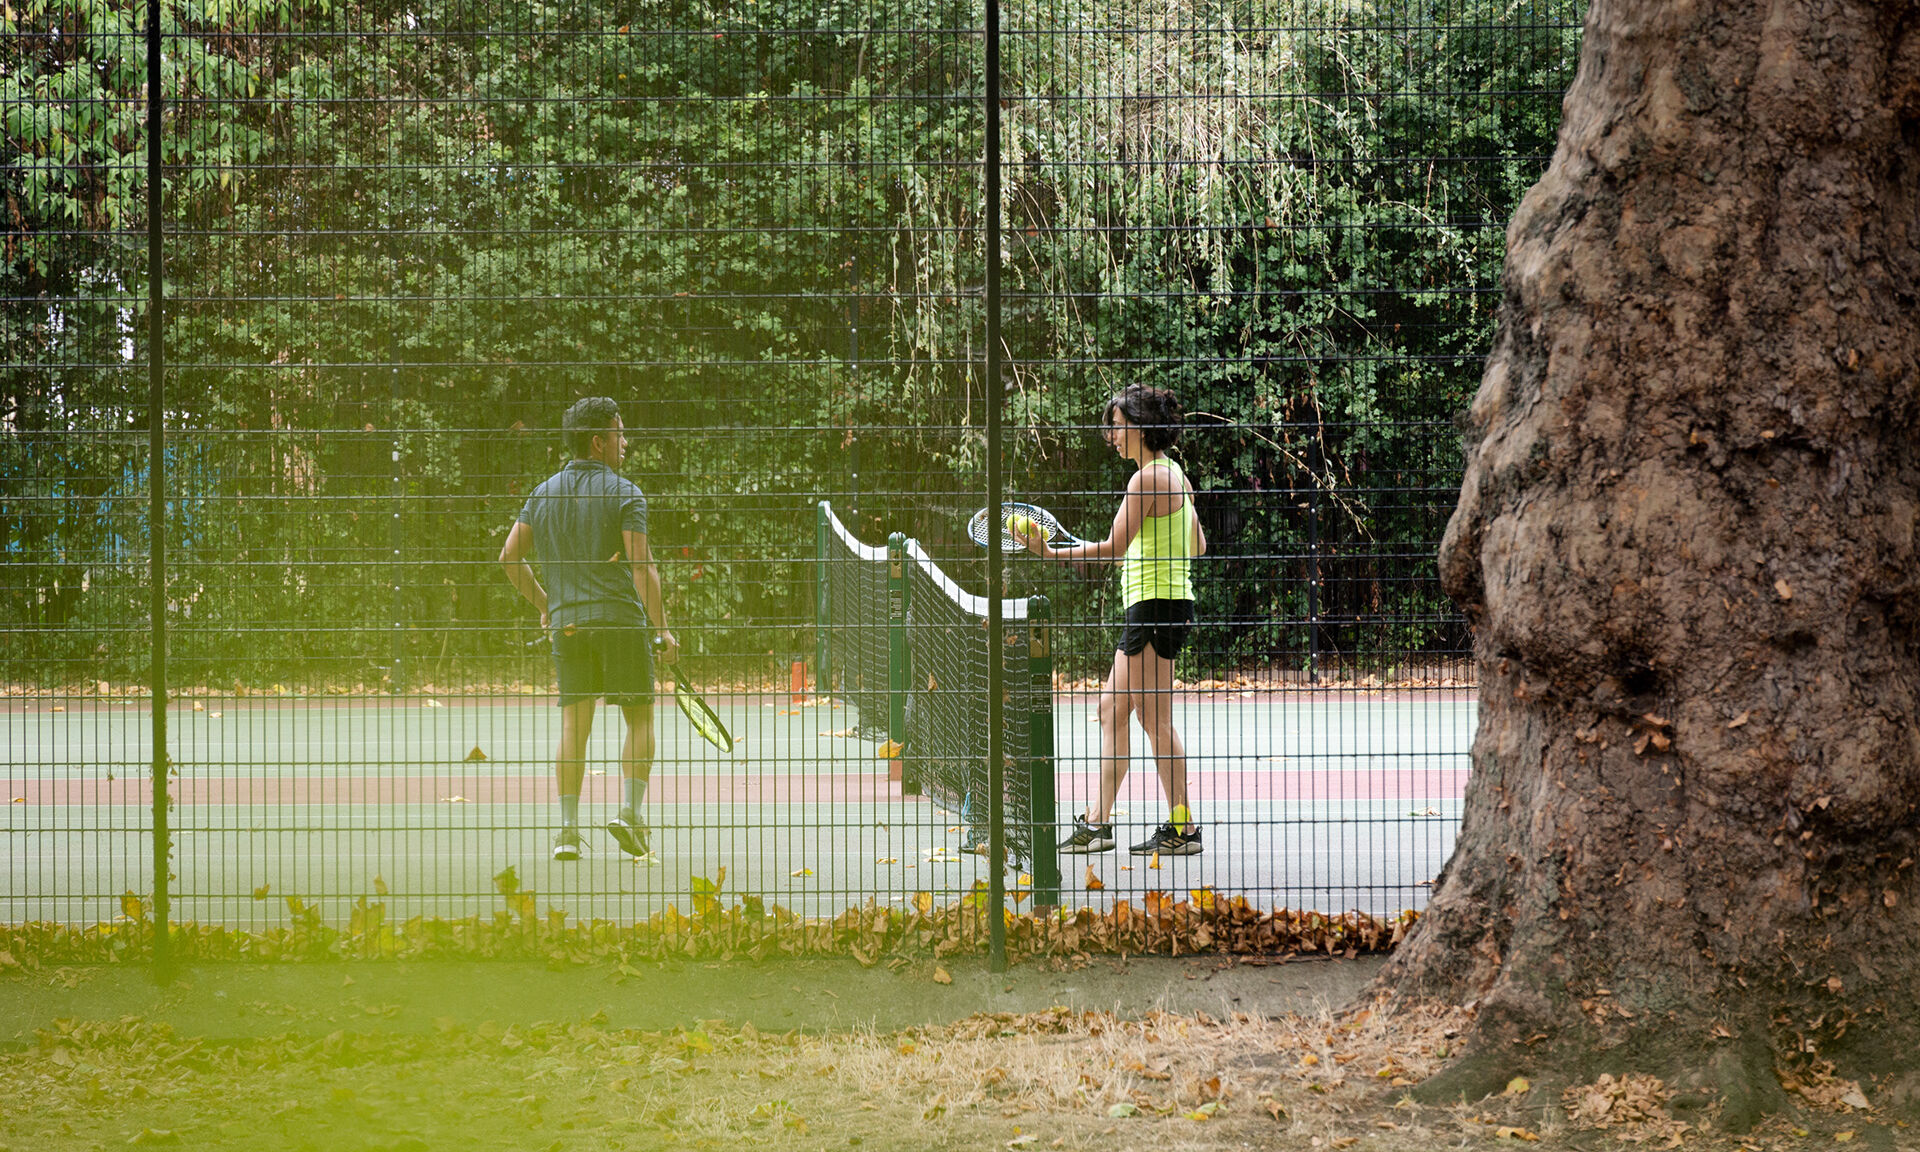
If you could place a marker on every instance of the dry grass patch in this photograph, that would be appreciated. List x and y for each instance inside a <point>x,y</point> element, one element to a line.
<point>1055,1079</point>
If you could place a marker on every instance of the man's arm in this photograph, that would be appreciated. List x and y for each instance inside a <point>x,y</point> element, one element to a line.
<point>646,581</point>
<point>513,558</point>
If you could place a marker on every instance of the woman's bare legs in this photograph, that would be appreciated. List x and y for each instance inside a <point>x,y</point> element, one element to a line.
<point>1139,685</point>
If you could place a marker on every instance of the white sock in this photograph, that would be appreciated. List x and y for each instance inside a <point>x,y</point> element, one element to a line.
<point>569,811</point>
<point>636,795</point>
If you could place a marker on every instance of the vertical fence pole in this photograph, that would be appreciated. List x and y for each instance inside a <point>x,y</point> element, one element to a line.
<point>157,507</point>
<point>995,397</point>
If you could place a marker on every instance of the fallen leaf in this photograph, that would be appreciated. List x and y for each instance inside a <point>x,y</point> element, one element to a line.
<point>889,750</point>
<point>801,872</point>
<point>435,704</point>
<point>1122,1110</point>
<point>1094,883</point>
<point>260,893</point>
<point>942,976</point>
<point>1024,1140</point>
<point>1505,1133</point>
<point>1783,588</point>
<point>476,754</point>
<point>1154,861</point>
<point>455,800</point>
<point>1518,1086</point>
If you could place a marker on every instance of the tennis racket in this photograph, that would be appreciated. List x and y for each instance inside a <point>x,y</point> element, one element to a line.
<point>984,526</point>
<point>703,718</point>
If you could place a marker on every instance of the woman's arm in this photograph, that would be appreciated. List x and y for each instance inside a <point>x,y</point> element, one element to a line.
<point>1199,533</point>
<point>1143,491</point>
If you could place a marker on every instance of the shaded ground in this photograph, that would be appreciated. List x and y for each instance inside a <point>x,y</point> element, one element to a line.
<point>245,1000</point>
<point>1147,1053</point>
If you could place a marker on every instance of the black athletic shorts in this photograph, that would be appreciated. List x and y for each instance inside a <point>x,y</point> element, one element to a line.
<point>593,660</point>
<point>1162,623</point>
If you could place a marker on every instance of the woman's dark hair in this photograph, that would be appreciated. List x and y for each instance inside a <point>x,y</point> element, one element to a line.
<point>588,416</point>
<point>1154,411</point>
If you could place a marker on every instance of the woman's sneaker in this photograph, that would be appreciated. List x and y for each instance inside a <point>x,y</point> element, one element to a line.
<point>1167,842</point>
<point>1088,838</point>
<point>566,844</point>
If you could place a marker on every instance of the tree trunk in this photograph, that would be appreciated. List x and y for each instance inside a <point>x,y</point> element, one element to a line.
<point>1686,543</point>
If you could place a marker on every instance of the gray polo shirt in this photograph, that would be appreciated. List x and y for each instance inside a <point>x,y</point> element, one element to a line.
<point>577,516</point>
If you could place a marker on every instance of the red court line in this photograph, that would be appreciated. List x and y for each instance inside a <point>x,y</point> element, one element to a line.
<point>1358,784</point>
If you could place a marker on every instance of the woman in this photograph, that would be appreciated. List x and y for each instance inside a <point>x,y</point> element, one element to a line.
<point>1156,534</point>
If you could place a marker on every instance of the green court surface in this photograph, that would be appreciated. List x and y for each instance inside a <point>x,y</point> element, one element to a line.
<point>1307,799</point>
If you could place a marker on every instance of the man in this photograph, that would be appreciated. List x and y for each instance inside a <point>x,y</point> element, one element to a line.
<point>602,607</point>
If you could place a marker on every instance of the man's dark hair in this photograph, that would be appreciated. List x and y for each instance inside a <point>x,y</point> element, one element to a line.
<point>588,416</point>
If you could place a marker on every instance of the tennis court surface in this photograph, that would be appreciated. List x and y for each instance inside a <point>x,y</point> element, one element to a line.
<point>1326,800</point>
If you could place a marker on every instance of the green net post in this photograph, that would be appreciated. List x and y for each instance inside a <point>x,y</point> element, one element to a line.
<point>1046,861</point>
<point>898,664</point>
<point>822,602</point>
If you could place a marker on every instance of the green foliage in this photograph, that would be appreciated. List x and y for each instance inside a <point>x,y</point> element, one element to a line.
<point>423,233</point>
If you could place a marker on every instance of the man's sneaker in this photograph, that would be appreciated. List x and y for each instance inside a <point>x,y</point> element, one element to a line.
<point>1167,842</point>
<point>566,844</point>
<point>1088,838</point>
<point>630,832</point>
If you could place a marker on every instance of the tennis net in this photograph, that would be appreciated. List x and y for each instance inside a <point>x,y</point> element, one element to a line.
<point>948,653</point>
<point>853,658</point>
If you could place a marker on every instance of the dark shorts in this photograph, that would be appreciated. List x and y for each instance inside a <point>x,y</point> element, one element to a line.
<point>603,660</point>
<point>1162,623</point>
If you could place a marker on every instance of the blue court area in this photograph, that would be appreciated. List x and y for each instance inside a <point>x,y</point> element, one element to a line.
<point>1308,799</point>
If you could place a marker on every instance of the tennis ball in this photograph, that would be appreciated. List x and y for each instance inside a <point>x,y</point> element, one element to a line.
<point>1020,525</point>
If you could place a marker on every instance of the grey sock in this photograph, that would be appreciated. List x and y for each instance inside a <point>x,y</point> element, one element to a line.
<point>636,795</point>
<point>569,811</point>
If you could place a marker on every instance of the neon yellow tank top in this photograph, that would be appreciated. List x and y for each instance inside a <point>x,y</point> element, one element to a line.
<point>1157,563</point>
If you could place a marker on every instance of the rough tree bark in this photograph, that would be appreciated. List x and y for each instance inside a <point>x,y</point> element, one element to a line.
<point>1686,540</point>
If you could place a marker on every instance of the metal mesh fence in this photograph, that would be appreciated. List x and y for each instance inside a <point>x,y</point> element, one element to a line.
<point>399,240</point>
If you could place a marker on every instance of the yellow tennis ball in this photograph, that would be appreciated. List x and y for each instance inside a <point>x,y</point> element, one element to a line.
<point>1020,525</point>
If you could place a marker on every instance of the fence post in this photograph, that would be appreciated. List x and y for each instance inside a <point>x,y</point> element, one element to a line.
<point>157,506</point>
<point>1046,861</point>
<point>898,665</point>
<point>995,400</point>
